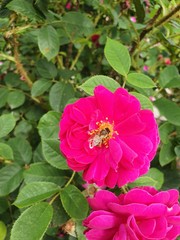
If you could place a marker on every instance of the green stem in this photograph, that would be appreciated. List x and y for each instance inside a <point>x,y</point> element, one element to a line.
<point>70,180</point>
<point>54,198</point>
<point>124,82</point>
<point>156,93</point>
<point>77,57</point>
<point>4,56</point>
<point>57,194</point>
<point>82,48</point>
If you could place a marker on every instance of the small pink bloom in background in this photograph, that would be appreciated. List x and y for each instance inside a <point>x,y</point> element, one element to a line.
<point>167,61</point>
<point>108,137</point>
<point>152,99</point>
<point>95,39</point>
<point>133,19</point>
<point>68,5</point>
<point>145,68</point>
<point>1,63</point>
<point>22,78</point>
<point>141,214</point>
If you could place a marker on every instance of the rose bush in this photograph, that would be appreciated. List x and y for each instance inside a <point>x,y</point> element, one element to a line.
<point>52,52</point>
<point>108,137</point>
<point>141,214</point>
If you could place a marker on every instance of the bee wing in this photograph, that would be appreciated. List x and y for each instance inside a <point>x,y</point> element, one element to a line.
<point>96,140</point>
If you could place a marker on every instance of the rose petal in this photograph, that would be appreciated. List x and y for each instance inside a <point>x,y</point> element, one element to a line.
<point>135,209</point>
<point>121,233</point>
<point>105,101</point>
<point>131,126</point>
<point>96,234</point>
<point>125,105</point>
<point>103,221</point>
<point>115,153</point>
<point>138,196</point>
<point>97,170</point>
<point>101,200</point>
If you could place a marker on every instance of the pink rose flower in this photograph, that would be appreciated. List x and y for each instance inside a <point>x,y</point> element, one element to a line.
<point>141,214</point>
<point>108,137</point>
<point>133,19</point>
<point>95,39</point>
<point>145,68</point>
<point>167,61</point>
<point>68,5</point>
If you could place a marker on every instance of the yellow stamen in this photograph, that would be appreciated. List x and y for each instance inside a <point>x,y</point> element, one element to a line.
<point>102,135</point>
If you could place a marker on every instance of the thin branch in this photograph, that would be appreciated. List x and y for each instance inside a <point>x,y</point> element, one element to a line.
<point>168,16</point>
<point>18,63</point>
<point>152,24</point>
<point>71,178</point>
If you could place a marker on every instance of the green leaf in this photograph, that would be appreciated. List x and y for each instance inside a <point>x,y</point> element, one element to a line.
<point>140,80</point>
<point>169,77</point>
<point>175,83</point>
<point>74,202</point>
<point>15,99</point>
<point>77,24</point>
<point>48,42</point>
<point>23,128</point>
<point>3,21</point>
<point>139,10</point>
<point>4,205</point>
<point>171,178</point>
<point>40,86</point>
<point>32,223</point>
<point>42,6</point>
<point>46,69</point>
<point>164,130</point>
<point>6,152</point>
<point>7,123</point>
<point>49,125</point>
<point>12,80</point>
<point>34,113</point>
<point>169,109</point>
<point>145,102</point>
<point>89,85</point>
<point>3,230</point>
<point>3,96</point>
<point>59,94</point>
<point>43,172</point>
<point>166,154</point>
<point>153,178</point>
<point>35,192</point>
<point>60,216</point>
<point>10,178</point>
<point>37,154</point>
<point>52,154</point>
<point>22,150</point>
<point>118,56</point>
<point>80,230</point>
<point>26,9</point>
<point>177,151</point>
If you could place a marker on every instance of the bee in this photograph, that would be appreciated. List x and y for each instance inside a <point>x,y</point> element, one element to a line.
<point>98,139</point>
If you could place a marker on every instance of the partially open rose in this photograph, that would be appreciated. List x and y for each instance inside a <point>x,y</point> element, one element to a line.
<point>140,214</point>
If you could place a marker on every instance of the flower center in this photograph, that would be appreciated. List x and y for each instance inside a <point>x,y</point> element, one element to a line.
<point>102,134</point>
